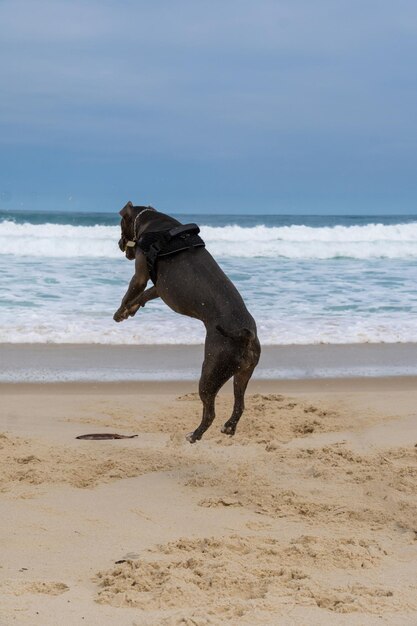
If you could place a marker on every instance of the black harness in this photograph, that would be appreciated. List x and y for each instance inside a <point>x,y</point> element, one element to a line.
<point>167,242</point>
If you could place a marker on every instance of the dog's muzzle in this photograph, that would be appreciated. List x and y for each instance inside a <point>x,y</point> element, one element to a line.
<point>125,244</point>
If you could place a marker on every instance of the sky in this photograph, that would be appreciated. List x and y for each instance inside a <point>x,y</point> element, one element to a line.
<point>229,106</point>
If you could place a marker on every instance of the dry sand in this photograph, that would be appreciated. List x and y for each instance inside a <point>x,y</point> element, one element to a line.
<point>308,516</point>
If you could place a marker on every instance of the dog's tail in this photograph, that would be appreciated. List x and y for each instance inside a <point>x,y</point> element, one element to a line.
<point>242,336</point>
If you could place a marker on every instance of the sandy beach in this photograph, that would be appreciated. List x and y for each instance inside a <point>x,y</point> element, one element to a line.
<point>307,516</point>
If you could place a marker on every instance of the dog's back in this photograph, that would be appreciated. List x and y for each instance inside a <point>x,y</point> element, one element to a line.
<point>192,283</point>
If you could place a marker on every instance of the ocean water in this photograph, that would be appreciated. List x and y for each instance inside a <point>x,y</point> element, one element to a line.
<point>306,279</point>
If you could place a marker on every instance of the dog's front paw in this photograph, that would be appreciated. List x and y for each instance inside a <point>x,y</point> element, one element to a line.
<point>120,315</point>
<point>191,437</point>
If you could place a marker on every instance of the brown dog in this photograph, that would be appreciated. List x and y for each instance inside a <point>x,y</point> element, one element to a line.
<point>191,283</point>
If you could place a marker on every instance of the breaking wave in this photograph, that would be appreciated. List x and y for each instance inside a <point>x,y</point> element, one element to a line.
<point>370,241</point>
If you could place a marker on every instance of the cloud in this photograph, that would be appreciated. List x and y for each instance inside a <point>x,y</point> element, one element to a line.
<point>306,84</point>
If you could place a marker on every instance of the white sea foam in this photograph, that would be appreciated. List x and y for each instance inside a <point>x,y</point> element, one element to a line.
<point>303,284</point>
<point>370,241</point>
<point>58,240</point>
<point>167,328</point>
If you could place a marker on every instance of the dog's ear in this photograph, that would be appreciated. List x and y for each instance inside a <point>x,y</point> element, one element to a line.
<point>127,210</point>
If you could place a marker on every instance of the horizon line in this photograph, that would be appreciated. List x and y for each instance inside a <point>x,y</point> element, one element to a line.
<point>216,213</point>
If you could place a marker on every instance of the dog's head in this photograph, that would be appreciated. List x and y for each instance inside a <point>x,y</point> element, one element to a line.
<point>127,225</point>
<point>132,227</point>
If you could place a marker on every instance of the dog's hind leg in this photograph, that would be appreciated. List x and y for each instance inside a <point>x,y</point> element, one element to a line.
<point>214,374</point>
<point>240,382</point>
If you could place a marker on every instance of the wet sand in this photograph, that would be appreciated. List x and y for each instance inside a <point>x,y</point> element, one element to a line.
<point>308,516</point>
<point>90,362</point>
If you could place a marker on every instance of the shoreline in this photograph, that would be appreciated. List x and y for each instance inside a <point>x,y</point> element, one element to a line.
<point>349,384</point>
<point>83,363</point>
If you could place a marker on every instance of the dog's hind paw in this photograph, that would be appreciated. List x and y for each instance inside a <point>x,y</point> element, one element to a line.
<point>228,430</point>
<point>191,437</point>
